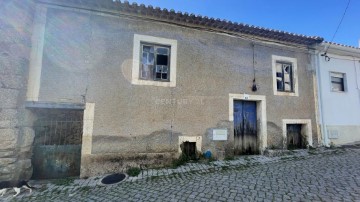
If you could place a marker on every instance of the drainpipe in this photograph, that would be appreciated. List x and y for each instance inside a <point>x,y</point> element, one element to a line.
<point>357,75</point>
<point>320,101</point>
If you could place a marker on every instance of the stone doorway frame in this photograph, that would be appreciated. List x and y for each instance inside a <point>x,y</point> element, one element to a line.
<point>260,113</point>
<point>306,127</point>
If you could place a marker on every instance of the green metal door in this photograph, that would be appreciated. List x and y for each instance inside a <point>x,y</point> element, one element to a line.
<point>57,145</point>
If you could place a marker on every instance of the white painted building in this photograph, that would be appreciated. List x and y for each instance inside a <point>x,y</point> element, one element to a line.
<point>338,78</point>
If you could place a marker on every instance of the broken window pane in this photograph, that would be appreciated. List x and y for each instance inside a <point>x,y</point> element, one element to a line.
<point>279,68</point>
<point>164,76</point>
<point>287,78</point>
<point>165,69</point>
<point>151,72</point>
<point>145,58</point>
<point>154,62</point>
<point>284,77</point>
<point>161,59</point>
<point>151,59</point>
<point>145,71</point>
<point>158,69</point>
<point>279,83</point>
<point>161,72</point>
<point>147,49</point>
<point>162,51</point>
<point>287,86</point>
<point>287,68</point>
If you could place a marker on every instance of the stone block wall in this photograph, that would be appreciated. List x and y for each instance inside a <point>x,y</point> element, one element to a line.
<point>16,135</point>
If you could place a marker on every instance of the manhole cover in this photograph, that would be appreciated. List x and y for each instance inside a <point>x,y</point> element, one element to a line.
<point>113,178</point>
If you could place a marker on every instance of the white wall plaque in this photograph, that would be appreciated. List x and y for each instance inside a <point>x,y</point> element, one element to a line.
<point>219,134</point>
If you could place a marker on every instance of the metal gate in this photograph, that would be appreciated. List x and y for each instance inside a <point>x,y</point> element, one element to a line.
<point>245,127</point>
<point>57,144</point>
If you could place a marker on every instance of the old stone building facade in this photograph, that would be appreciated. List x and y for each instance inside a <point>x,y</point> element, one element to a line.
<point>111,85</point>
<point>16,134</point>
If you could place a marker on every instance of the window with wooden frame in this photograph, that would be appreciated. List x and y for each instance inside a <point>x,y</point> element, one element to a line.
<point>337,82</point>
<point>155,62</point>
<point>284,77</point>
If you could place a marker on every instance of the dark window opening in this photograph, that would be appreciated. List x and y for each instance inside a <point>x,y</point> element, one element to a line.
<point>161,60</point>
<point>337,82</point>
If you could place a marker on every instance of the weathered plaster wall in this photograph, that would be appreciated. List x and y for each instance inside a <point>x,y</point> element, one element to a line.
<point>16,136</point>
<point>86,54</point>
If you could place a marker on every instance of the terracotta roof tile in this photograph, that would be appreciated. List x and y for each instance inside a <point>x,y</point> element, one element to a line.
<point>347,46</point>
<point>116,6</point>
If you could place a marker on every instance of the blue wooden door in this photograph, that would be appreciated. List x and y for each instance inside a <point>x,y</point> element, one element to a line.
<point>245,127</point>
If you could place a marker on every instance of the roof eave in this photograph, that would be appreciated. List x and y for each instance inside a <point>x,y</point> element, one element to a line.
<point>192,20</point>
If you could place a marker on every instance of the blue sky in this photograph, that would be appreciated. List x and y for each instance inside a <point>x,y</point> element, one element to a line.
<point>308,17</point>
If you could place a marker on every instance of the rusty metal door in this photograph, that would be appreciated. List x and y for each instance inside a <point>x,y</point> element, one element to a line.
<point>245,127</point>
<point>294,137</point>
<point>57,144</point>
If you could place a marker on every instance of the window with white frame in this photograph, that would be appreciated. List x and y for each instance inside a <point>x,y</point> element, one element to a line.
<point>154,61</point>
<point>284,76</point>
<point>337,81</point>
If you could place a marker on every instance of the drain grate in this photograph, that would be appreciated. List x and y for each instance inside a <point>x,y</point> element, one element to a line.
<point>113,178</point>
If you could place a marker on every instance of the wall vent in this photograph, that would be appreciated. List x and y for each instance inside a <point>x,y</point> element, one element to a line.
<point>333,134</point>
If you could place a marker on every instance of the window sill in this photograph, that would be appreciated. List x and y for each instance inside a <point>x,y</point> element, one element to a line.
<point>336,91</point>
<point>153,83</point>
<point>286,93</point>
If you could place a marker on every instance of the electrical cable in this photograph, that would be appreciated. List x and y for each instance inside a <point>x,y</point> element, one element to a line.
<point>337,29</point>
<point>254,86</point>
<point>337,58</point>
<point>253,58</point>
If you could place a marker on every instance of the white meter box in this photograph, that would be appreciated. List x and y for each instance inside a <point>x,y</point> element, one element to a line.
<point>220,134</point>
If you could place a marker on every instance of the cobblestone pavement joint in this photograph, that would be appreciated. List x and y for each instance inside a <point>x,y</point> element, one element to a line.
<point>305,175</point>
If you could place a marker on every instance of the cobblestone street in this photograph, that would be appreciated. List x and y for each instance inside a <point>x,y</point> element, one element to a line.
<point>326,175</point>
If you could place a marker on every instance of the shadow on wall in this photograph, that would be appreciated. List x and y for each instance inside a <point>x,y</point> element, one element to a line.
<point>275,137</point>
<point>157,142</point>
